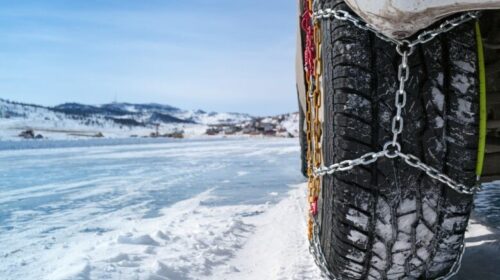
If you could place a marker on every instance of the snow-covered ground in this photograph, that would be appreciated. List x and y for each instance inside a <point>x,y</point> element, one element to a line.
<point>219,209</point>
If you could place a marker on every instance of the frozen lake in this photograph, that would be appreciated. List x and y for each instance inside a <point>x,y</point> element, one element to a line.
<point>103,211</point>
<point>142,209</point>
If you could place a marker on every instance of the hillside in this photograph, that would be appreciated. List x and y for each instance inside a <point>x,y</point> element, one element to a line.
<point>119,120</point>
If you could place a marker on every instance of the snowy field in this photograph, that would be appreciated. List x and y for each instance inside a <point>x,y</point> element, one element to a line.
<point>211,209</point>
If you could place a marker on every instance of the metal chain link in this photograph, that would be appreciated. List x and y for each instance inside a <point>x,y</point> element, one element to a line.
<point>435,174</point>
<point>345,165</point>
<point>422,38</point>
<point>329,13</point>
<point>391,149</point>
<point>318,255</point>
<point>444,27</point>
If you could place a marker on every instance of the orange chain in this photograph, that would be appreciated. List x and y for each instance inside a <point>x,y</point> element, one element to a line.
<point>313,124</point>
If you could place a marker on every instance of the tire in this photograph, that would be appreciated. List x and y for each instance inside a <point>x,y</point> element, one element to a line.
<point>302,141</point>
<point>388,220</point>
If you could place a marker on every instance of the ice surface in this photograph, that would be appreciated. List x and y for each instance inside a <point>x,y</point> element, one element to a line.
<point>176,210</point>
<point>487,203</point>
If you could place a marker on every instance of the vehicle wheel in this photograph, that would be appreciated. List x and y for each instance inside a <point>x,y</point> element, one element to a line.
<point>388,220</point>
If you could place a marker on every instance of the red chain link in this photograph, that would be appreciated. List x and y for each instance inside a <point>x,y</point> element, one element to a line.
<point>309,50</point>
<point>313,207</point>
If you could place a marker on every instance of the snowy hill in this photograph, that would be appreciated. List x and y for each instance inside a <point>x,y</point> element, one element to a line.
<point>151,113</point>
<point>118,120</point>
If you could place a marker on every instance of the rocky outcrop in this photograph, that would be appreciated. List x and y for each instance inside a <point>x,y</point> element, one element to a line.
<point>280,126</point>
<point>30,134</point>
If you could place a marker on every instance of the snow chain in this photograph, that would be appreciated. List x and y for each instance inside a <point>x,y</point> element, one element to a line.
<point>313,105</point>
<point>392,149</point>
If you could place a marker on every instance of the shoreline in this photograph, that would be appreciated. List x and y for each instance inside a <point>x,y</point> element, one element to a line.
<point>16,145</point>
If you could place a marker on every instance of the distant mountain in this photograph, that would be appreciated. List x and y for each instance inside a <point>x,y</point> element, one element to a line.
<point>84,110</point>
<point>113,119</point>
<point>150,113</point>
<point>157,117</point>
<point>150,107</point>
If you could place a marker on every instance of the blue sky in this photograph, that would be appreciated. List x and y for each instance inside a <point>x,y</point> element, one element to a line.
<point>218,55</point>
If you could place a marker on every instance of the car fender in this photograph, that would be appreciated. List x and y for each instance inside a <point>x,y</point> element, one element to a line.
<point>403,18</point>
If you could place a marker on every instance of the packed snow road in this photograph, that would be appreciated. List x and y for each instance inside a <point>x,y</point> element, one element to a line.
<point>211,209</point>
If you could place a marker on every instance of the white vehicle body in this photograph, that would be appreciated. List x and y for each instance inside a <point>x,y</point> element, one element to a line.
<point>403,18</point>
